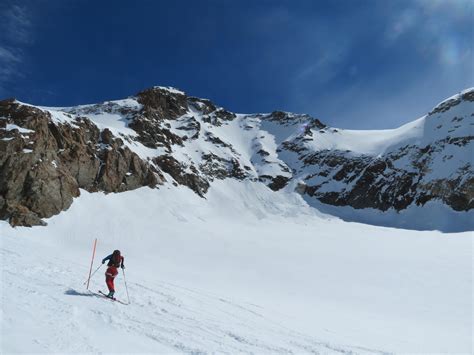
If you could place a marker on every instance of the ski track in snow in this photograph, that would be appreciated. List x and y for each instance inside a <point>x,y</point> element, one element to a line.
<point>162,317</point>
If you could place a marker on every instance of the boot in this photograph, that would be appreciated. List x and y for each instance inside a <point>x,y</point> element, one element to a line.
<point>111,294</point>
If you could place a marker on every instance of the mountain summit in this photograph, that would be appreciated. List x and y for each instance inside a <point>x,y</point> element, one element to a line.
<point>163,136</point>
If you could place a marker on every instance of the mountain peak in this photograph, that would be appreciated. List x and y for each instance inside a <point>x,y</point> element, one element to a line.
<point>169,89</point>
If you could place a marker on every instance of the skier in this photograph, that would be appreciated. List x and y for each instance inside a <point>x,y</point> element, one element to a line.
<point>115,261</point>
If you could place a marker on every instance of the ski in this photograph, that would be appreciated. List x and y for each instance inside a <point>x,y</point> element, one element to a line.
<point>103,295</point>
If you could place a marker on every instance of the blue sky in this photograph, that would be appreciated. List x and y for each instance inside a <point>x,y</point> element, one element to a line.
<point>353,63</point>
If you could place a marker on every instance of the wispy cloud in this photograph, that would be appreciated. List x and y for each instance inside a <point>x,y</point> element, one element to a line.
<point>385,67</point>
<point>8,56</point>
<point>17,23</point>
<point>9,62</point>
<point>16,34</point>
<point>326,66</point>
<point>401,24</point>
<point>435,24</point>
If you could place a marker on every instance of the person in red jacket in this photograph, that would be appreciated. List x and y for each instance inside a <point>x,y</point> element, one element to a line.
<point>115,261</point>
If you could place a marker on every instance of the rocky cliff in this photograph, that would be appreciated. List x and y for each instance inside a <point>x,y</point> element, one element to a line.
<point>161,135</point>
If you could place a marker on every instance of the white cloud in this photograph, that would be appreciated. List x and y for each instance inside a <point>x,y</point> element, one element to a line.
<point>448,8</point>
<point>435,25</point>
<point>366,105</point>
<point>9,67</point>
<point>15,25</point>
<point>402,24</point>
<point>326,66</point>
<point>8,56</point>
<point>9,62</point>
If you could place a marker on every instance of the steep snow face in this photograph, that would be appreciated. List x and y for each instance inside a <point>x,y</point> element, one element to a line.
<point>364,142</point>
<point>246,270</point>
<point>386,177</point>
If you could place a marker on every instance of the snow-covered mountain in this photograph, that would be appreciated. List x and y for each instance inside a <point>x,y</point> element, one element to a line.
<point>224,250</point>
<point>162,136</point>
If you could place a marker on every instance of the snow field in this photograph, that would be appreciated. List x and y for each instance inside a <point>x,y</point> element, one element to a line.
<point>244,271</point>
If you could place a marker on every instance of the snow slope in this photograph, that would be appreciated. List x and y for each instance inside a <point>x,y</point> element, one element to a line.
<point>246,270</point>
<point>163,318</point>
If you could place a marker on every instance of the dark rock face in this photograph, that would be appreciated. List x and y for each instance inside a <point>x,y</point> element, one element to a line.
<point>159,105</point>
<point>162,104</point>
<point>445,106</point>
<point>43,164</point>
<point>211,114</point>
<point>287,118</point>
<point>378,183</point>
<point>468,96</point>
<point>370,183</point>
<point>278,182</point>
<point>30,185</point>
<point>215,167</point>
<point>188,176</point>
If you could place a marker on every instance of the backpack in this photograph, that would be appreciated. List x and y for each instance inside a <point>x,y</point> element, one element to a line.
<point>116,259</point>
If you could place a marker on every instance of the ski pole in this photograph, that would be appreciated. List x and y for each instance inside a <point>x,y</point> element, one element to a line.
<point>92,274</point>
<point>126,288</point>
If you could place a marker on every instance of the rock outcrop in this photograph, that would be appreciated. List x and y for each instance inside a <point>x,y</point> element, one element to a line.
<point>44,163</point>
